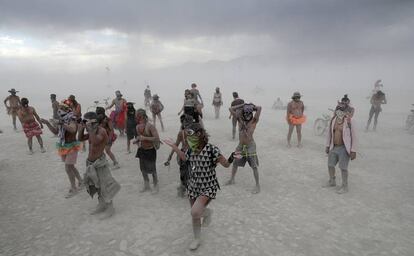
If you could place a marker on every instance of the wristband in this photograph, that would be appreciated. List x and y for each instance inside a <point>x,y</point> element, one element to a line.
<point>231,158</point>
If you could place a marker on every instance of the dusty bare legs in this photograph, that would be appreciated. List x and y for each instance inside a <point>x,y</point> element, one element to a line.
<point>298,132</point>
<point>112,156</point>
<point>198,210</point>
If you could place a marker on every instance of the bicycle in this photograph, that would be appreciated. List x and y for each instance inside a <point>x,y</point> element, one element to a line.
<point>97,103</point>
<point>322,123</point>
<point>409,123</point>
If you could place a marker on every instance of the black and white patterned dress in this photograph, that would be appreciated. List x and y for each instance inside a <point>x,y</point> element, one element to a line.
<point>202,177</point>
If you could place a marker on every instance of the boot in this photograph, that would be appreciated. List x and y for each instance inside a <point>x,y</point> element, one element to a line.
<point>146,187</point>
<point>109,211</point>
<point>330,183</point>
<point>100,207</point>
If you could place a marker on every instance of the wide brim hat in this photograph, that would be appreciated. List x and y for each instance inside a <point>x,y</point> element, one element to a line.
<point>13,90</point>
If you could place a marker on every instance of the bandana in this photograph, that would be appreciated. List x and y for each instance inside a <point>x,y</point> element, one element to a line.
<point>193,142</point>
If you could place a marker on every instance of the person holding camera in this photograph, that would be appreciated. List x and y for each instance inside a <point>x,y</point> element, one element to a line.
<point>68,146</point>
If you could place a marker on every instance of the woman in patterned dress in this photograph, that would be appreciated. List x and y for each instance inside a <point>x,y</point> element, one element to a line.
<point>202,158</point>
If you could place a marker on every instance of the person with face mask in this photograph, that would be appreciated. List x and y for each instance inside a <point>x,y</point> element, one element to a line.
<point>295,118</point>
<point>217,102</point>
<point>68,146</point>
<point>118,115</point>
<point>131,124</point>
<point>248,118</point>
<point>106,123</point>
<point>202,158</point>
<point>147,139</point>
<point>340,145</point>
<point>30,121</point>
<point>14,105</point>
<point>98,178</point>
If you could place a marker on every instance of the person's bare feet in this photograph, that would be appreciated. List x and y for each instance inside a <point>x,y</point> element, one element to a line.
<point>72,192</point>
<point>43,150</point>
<point>195,244</point>
<point>256,190</point>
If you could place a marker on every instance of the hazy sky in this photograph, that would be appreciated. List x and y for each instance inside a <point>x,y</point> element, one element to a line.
<point>79,35</point>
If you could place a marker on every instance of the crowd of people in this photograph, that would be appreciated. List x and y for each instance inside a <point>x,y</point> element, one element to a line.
<point>197,158</point>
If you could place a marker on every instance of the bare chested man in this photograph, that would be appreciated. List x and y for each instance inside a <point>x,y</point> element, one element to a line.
<point>147,97</point>
<point>295,118</point>
<point>55,107</point>
<point>30,123</point>
<point>106,123</point>
<point>147,152</point>
<point>247,146</point>
<point>156,108</point>
<point>68,146</point>
<point>236,102</point>
<point>14,105</point>
<point>98,178</point>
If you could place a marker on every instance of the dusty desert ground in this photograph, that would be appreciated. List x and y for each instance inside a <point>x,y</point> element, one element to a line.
<point>293,215</point>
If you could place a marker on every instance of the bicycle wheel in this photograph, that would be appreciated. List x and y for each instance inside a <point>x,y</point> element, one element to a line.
<point>319,127</point>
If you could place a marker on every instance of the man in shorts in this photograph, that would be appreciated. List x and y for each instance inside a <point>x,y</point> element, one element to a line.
<point>340,146</point>
<point>14,105</point>
<point>248,119</point>
<point>234,104</point>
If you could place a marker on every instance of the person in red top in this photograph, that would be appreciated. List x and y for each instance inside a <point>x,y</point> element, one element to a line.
<point>119,114</point>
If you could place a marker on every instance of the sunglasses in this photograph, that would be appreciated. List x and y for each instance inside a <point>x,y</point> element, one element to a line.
<point>89,121</point>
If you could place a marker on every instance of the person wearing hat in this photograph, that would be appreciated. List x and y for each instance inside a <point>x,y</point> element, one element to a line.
<point>67,146</point>
<point>30,122</point>
<point>295,117</point>
<point>340,144</point>
<point>217,102</point>
<point>147,139</point>
<point>376,101</point>
<point>118,116</point>
<point>14,105</point>
<point>156,109</point>
<point>98,178</point>
<point>248,117</point>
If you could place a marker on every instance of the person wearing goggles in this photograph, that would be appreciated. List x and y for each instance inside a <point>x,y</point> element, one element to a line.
<point>98,177</point>
<point>248,117</point>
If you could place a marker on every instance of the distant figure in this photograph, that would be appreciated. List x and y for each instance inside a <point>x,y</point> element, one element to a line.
<point>248,119</point>
<point>118,116</point>
<point>197,98</point>
<point>30,122</point>
<point>105,122</point>
<point>217,102</point>
<point>340,145</point>
<point>131,123</point>
<point>190,107</point>
<point>55,107</point>
<point>295,118</point>
<point>76,107</point>
<point>147,139</point>
<point>236,102</point>
<point>67,146</point>
<point>98,178</point>
<point>14,105</point>
<point>148,96</point>
<point>278,104</point>
<point>156,109</point>
<point>376,101</point>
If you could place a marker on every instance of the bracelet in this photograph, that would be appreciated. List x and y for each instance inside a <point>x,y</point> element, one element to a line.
<point>231,158</point>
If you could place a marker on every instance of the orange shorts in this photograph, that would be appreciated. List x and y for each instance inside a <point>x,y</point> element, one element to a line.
<point>297,120</point>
